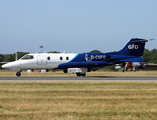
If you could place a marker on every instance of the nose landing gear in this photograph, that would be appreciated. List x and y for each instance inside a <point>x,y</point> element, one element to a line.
<point>18,74</point>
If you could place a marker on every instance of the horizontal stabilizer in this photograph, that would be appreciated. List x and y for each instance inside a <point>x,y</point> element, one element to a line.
<point>136,59</point>
<point>142,40</point>
<point>139,41</point>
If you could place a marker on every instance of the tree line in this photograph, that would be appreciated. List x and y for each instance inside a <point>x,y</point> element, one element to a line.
<point>149,56</point>
<point>12,57</point>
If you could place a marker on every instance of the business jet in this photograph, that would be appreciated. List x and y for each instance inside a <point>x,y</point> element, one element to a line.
<point>79,63</point>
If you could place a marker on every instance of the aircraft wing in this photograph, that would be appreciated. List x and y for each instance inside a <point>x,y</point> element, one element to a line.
<point>3,62</point>
<point>136,59</point>
<point>84,64</point>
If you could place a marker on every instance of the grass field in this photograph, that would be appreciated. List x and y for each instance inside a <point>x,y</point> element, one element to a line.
<point>78,100</point>
<point>97,73</point>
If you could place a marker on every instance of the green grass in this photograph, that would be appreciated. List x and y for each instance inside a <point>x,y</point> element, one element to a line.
<point>78,100</point>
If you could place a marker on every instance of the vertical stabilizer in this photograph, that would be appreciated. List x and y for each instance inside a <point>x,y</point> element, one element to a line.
<point>135,47</point>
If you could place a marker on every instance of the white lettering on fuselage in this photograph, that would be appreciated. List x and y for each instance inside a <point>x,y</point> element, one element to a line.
<point>98,57</point>
<point>133,47</point>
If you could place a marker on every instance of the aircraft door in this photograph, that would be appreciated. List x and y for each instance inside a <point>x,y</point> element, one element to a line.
<point>42,60</point>
<point>87,57</point>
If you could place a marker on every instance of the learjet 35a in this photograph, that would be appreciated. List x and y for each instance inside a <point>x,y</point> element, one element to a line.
<point>79,63</point>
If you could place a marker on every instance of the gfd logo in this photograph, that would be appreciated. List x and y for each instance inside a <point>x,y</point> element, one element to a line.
<point>133,46</point>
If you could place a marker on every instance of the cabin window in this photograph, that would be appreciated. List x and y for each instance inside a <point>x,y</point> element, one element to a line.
<point>61,58</point>
<point>26,57</point>
<point>67,58</point>
<point>48,58</point>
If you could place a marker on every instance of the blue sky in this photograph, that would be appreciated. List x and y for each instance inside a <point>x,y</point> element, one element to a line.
<point>75,25</point>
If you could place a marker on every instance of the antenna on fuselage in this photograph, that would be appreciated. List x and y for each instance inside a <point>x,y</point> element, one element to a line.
<point>41,48</point>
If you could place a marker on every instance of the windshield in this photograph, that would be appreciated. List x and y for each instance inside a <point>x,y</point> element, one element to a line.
<point>26,57</point>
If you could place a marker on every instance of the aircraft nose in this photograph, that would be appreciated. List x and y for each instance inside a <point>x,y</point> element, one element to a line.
<point>6,65</point>
<point>11,65</point>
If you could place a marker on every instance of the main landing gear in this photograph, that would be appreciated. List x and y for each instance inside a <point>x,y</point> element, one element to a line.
<point>81,74</point>
<point>18,74</point>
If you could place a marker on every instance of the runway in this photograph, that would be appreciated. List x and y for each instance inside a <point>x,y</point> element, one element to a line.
<point>65,78</point>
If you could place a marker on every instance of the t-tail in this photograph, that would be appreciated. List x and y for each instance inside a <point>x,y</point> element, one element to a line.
<point>135,47</point>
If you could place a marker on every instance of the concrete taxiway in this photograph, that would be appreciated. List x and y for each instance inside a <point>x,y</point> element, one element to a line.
<point>65,78</point>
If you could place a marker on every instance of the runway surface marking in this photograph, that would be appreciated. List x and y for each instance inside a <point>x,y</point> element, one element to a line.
<point>65,78</point>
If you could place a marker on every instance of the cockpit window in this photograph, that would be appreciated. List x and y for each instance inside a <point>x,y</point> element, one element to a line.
<point>26,57</point>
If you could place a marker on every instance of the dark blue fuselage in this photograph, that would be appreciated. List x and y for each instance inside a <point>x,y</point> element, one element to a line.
<point>132,52</point>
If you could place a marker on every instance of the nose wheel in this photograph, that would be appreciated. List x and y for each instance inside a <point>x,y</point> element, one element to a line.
<point>18,74</point>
